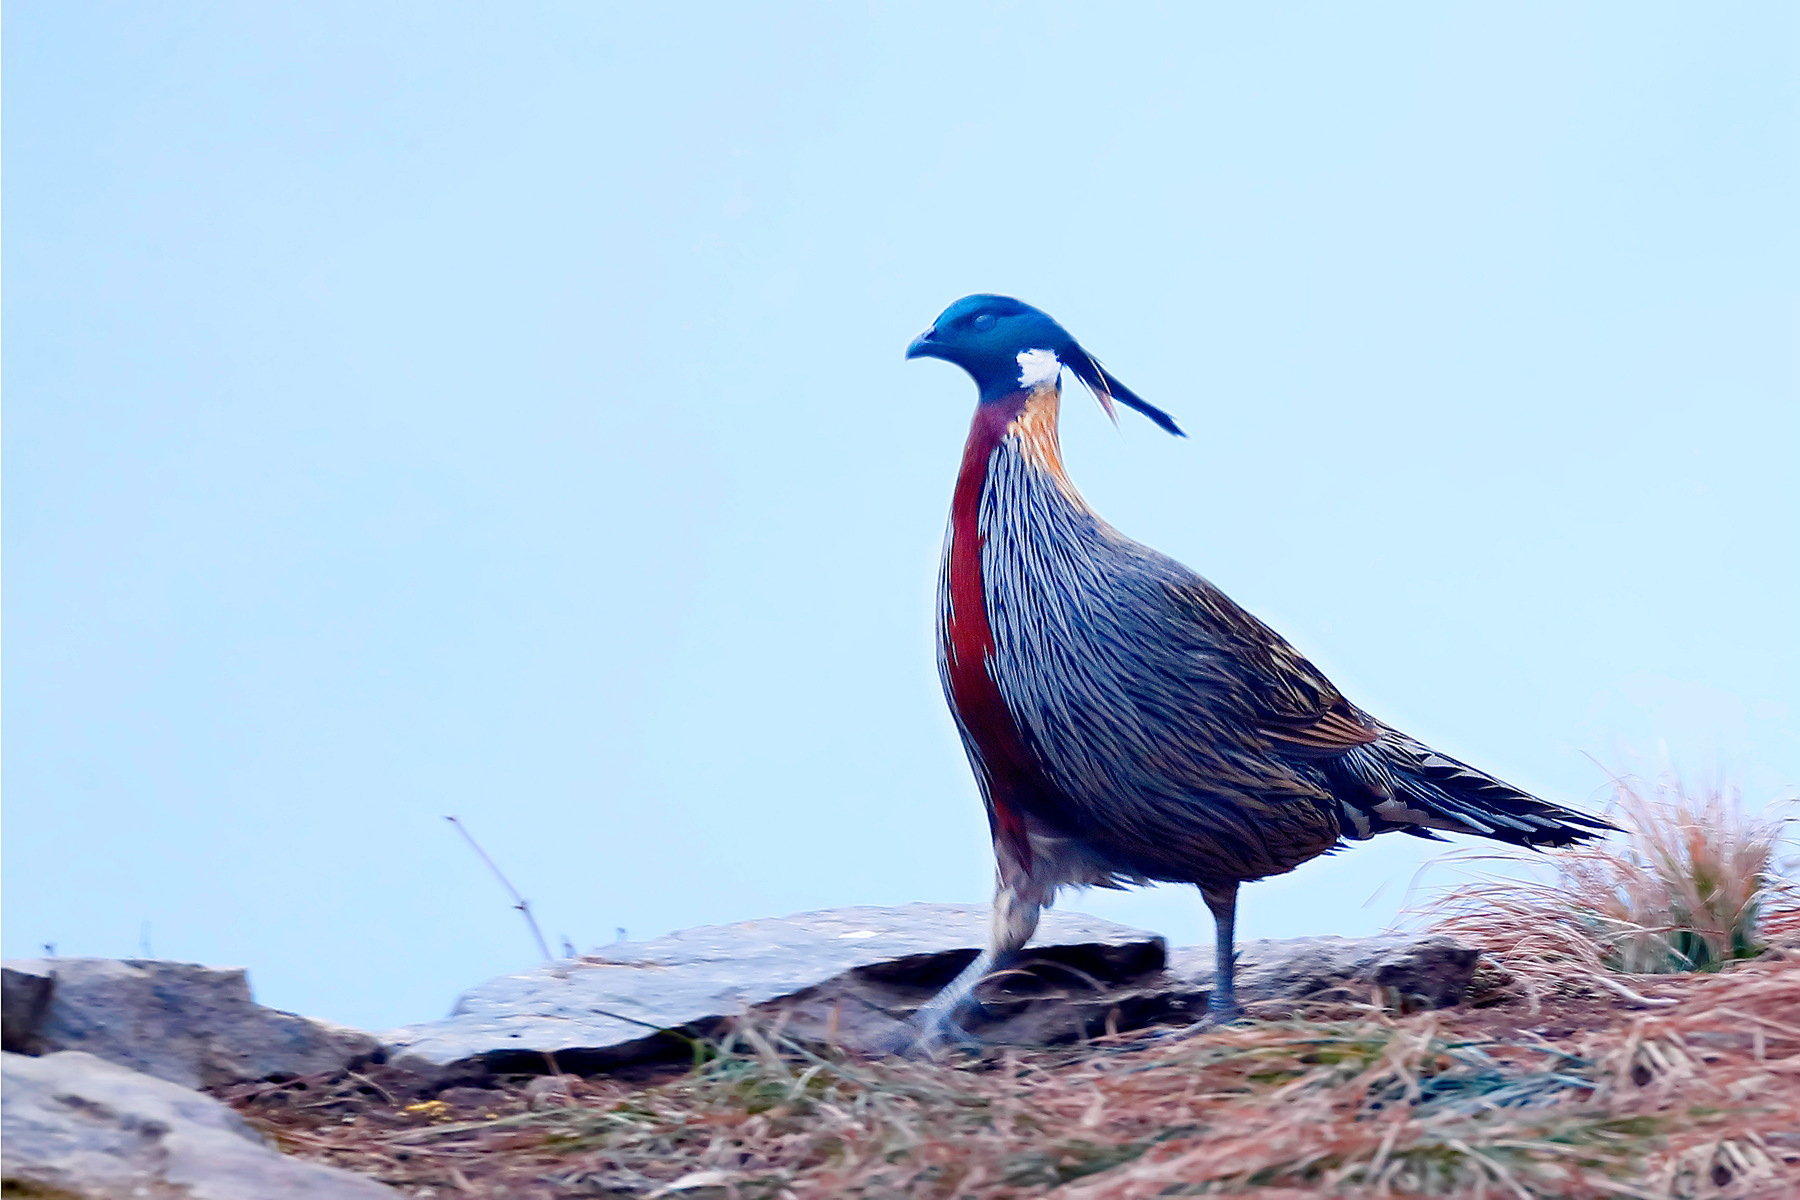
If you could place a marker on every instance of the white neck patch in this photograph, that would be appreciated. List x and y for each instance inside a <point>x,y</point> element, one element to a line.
<point>1038,367</point>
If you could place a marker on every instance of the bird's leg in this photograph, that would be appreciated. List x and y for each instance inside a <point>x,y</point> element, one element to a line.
<point>936,1023</point>
<point>1222,1004</point>
<point>1016,912</point>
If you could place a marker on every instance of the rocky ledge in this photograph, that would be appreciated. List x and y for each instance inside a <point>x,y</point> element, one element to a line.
<point>104,1056</point>
<point>854,975</point>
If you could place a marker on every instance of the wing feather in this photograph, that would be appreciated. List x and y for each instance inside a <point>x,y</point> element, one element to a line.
<point>1174,731</point>
<point>1294,704</point>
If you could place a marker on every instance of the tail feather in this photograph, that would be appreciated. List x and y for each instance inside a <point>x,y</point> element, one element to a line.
<point>1397,783</point>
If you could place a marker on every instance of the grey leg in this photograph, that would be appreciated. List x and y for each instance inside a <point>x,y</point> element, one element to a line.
<point>937,1021</point>
<point>1015,920</point>
<point>1222,1005</point>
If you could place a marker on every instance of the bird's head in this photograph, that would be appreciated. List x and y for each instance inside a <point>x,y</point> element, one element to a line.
<point>1008,346</point>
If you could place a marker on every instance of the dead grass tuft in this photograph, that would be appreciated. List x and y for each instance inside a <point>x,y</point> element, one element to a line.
<point>1692,883</point>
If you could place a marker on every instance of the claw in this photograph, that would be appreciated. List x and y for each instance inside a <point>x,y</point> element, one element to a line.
<point>938,1034</point>
<point>937,1022</point>
<point>1222,1015</point>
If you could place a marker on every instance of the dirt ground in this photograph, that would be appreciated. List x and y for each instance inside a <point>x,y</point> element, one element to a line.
<point>1674,1086</point>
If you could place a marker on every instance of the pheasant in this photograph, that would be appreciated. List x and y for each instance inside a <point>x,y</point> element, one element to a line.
<point>1126,721</point>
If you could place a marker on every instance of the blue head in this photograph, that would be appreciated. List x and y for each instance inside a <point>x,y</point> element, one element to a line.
<point>1006,345</point>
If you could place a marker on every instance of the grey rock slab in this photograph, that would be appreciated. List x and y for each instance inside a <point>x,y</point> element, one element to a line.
<point>611,1006</point>
<point>72,1124</point>
<point>24,1000</point>
<point>1425,972</point>
<point>1050,1003</point>
<point>192,1025</point>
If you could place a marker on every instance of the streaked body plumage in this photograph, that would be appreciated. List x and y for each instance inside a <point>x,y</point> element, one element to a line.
<point>1127,721</point>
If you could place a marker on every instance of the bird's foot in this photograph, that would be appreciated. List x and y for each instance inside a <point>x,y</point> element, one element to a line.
<point>937,1034</point>
<point>1219,1014</point>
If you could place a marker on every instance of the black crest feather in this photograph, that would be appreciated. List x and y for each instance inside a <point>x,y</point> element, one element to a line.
<point>1101,382</point>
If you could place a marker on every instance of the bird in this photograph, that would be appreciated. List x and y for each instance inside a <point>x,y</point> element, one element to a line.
<point>1127,723</point>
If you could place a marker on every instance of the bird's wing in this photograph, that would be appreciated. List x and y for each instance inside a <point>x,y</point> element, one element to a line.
<point>1173,731</point>
<point>1289,700</point>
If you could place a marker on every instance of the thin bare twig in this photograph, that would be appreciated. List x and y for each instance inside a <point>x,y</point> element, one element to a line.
<point>519,902</point>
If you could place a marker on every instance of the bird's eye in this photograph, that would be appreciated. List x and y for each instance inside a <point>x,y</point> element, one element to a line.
<point>984,322</point>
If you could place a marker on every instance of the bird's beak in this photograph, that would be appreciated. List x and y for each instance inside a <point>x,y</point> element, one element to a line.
<point>925,346</point>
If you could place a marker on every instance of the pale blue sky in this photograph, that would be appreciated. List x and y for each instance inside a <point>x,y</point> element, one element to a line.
<point>499,410</point>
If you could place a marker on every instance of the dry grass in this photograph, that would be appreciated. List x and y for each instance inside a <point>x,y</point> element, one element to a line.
<point>1693,883</point>
<point>1701,1099</point>
<point>1633,1081</point>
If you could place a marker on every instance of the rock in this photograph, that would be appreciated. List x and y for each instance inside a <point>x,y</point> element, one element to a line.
<point>24,999</point>
<point>1423,972</point>
<point>76,1126</point>
<point>851,976</point>
<point>191,1025</point>
<point>849,973</point>
<point>854,976</point>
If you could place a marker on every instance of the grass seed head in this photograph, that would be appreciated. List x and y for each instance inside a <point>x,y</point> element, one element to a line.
<point>1692,882</point>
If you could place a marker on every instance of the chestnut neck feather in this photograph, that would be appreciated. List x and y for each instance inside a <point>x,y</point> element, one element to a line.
<point>1006,768</point>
